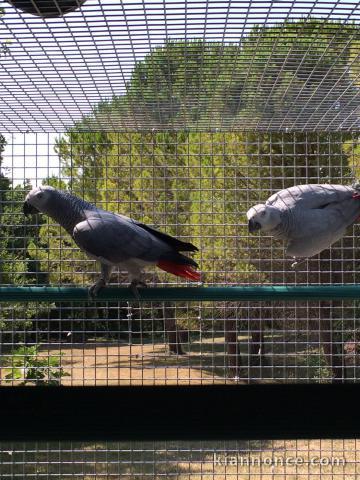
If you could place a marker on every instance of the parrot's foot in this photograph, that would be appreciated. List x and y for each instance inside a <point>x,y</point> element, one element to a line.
<point>298,261</point>
<point>134,287</point>
<point>95,289</point>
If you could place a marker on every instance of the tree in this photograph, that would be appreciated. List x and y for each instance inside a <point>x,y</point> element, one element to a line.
<point>16,267</point>
<point>294,71</point>
<point>199,185</point>
<point>145,167</point>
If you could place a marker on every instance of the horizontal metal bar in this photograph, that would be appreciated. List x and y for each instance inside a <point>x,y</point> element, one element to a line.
<point>159,413</point>
<point>188,294</point>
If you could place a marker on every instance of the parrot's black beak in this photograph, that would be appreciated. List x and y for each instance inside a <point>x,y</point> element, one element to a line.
<point>28,209</point>
<point>253,226</point>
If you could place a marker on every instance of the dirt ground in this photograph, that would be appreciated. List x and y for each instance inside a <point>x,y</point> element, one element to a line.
<point>153,365</point>
<point>204,363</point>
<point>255,460</point>
<point>283,460</point>
<point>125,364</point>
<point>149,362</point>
<point>184,460</point>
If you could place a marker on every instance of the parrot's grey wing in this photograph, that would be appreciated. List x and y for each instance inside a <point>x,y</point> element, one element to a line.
<point>310,196</point>
<point>106,236</point>
<point>320,228</point>
<point>173,242</point>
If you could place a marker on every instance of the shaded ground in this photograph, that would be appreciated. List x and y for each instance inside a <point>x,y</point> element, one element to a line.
<point>205,362</point>
<point>258,460</point>
<point>289,358</point>
<point>145,364</point>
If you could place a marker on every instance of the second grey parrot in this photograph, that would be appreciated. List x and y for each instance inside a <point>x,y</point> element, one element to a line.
<point>309,218</point>
<point>112,239</point>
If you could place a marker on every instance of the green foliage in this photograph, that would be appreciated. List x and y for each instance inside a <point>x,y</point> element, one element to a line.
<point>16,267</point>
<point>180,81</point>
<point>292,55</point>
<point>354,57</point>
<point>14,234</point>
<point>26,365</point>
<point>351,148</point>
<point>184,84</point>
<point>317,366</point>
<point>4,50</point>
<point>198,186</point>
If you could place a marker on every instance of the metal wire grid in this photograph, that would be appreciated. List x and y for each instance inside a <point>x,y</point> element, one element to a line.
<point>300,459</point>
<point>56,71</point>
<point>198,187</point>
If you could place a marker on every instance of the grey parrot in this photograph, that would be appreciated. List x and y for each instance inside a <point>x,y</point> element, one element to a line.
<point>112,239</point>
<point>309,218</point>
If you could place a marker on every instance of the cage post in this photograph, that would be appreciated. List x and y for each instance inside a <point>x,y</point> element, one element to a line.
<point>332,351</point>
<point>257,350</point>
<point>233,349</point>
<point>175,337</point>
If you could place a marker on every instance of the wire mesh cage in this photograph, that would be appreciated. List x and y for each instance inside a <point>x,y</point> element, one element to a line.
<point>181,115</point>
<point>207,460</point>
<point>197,186</point>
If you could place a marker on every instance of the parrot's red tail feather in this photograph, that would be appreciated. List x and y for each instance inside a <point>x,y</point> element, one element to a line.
<point>185,271</point>
<point>356,195</point>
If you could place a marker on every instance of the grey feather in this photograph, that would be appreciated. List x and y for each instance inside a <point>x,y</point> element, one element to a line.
<point>107,235</point>
<point>310,196</point>
<point>309,218</point>
<point>178,245</point>
<point>111,238</point>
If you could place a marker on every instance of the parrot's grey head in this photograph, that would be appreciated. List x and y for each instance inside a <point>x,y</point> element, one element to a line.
<point>263,217</point>
<point>39,199</point>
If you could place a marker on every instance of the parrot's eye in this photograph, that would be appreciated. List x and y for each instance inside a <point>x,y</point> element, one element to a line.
<point>262,214</point>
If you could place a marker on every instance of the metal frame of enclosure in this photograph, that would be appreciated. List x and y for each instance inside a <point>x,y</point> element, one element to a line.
<point>181,115</point>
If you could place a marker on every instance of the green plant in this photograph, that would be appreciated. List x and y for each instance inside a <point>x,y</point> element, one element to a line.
<point>316,363</point>
<point>27,365</point>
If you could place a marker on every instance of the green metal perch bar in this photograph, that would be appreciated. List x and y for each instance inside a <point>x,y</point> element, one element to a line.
<point>175,294</point>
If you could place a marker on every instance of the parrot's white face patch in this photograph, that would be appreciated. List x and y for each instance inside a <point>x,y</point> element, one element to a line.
<point>263,217</point>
